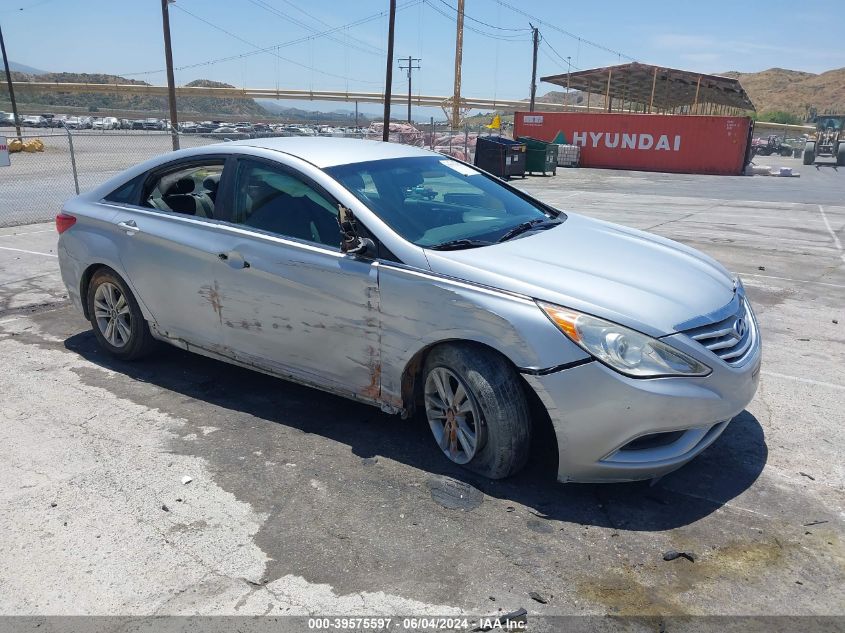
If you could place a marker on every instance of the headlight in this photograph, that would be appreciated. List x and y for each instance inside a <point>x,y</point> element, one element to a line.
<point>627,351</point>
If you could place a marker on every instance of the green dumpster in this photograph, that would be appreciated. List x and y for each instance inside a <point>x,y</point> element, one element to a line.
<point>541,157</point>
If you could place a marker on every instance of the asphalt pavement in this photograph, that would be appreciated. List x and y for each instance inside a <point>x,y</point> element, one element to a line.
<point>304,503</point>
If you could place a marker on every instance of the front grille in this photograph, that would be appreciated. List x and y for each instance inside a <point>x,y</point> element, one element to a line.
<point>731,338</point>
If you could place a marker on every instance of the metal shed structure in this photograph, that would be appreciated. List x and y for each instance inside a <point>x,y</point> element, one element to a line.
<point>637,87</point>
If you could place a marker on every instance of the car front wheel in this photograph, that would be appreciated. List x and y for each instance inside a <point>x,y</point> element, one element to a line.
<point>476,409</point>
<point>116,318</point>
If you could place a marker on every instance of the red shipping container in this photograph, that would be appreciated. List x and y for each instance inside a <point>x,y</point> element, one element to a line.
<point>646,142</point>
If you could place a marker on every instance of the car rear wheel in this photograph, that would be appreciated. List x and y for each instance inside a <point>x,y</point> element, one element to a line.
<point>476,409</point>
<point>119,325</point>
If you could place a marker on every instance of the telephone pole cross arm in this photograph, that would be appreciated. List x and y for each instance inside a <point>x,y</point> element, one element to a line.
<point>410,65</point>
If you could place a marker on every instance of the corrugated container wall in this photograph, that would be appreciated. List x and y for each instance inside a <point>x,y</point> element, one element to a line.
<point>647,142</point>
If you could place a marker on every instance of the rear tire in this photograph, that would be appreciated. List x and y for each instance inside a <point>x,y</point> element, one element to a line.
<point>809,153</point>
<point>116,318</point>
<point>485,399</point>
<point>840,155</point>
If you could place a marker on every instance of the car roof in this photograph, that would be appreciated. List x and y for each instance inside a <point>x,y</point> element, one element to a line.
<point>325,151</point>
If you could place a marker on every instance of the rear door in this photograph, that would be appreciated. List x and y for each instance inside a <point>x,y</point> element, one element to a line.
<point>294,303</point>
<point>169,245</point>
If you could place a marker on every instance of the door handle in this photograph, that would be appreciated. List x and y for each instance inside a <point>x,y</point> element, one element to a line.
<point>223,256</point>
<point>129,226</point>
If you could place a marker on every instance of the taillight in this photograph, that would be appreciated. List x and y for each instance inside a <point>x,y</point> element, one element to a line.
<point>64,221</point>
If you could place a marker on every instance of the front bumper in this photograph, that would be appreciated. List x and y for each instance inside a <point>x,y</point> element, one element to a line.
<point>613,428</point>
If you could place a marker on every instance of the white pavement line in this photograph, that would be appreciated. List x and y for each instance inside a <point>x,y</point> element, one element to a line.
<point>28,233</point>
<point>21,250</point>
<point>833,234</point>
<point>809,381</point>
<point>798,281</point>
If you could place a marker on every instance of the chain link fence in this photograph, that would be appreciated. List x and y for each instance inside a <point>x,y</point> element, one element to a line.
<point>65,162</point>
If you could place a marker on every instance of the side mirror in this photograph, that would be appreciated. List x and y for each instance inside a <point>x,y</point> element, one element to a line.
<point>350,242</point>
<point>361,246</point>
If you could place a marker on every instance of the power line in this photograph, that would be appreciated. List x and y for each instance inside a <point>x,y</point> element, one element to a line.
<point>324,23</point>
<point>271,50</point>
<point>563,59</point>
<point>554,27</point>
<point>492,26</point>
<point>501,37</point>
<point>275,47</point>
<point>284,16</point>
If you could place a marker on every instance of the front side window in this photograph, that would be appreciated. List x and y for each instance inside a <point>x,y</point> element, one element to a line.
<point>189,190</point>
<point>274,200</point>
<point>436,201</point>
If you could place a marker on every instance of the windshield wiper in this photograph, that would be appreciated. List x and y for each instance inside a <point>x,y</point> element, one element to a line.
<point>519,229</point>
<point>454,245</point>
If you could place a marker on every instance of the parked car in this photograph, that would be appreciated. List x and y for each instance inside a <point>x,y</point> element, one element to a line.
<point>469,306</point>
<point>34,120</point>
<point>153,124</point>
<point>7,119</point>
<point>72,123</point>
<point>138,124</point>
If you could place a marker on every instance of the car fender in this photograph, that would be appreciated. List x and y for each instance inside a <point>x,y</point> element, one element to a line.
<point>91,242</point>
<point>419,309</point>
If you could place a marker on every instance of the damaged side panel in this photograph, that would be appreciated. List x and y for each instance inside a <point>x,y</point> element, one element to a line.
<point>300,310</point>
<point>419,310</point>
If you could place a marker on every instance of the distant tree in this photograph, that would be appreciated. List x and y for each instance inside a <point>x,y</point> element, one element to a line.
<point>779,116</point>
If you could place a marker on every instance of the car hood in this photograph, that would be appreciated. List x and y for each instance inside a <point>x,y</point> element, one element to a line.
<point>634,278</point>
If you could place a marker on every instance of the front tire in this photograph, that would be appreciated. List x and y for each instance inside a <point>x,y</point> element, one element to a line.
<point>809,153</point>
<point>116,318</point>
<point>476,409</point>
<point>840,155</point>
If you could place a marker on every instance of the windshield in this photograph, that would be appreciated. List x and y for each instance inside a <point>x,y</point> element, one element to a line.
<point>432,201</point>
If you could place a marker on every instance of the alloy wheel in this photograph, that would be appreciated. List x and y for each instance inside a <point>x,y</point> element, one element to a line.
<point>111,310</point>
<point>453,415</point>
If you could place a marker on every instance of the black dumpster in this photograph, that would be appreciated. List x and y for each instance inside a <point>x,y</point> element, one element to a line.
<point>541,157</point>
<point>502,157</point>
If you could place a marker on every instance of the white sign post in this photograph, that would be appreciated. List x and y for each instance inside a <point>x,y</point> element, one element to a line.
<point>4,153</point>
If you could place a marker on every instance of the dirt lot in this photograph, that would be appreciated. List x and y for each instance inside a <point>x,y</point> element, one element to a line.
<point>303,503</point>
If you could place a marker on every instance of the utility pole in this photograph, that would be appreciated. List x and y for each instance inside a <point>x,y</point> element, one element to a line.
<point>410,68</point>
<point>568,72</point>
<point>11,88</point>
<point>459,51</point>
<point>536,39</point>
<point>171,82</point>
<point>388,80</point>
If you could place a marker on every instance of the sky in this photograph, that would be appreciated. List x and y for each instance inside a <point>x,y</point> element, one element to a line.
<point>222,40</point>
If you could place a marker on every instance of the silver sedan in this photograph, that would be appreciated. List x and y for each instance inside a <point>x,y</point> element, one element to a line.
<point>411,281</point>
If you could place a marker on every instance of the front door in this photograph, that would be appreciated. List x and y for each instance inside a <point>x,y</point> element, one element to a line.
<point>295,304</point>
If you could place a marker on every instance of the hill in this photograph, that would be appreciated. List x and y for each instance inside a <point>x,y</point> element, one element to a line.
<point>23,68</point>
<point>103,102</point>
<point>793,91</point>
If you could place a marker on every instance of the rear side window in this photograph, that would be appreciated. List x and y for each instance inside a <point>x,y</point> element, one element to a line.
<point>127,193</point>
<point>189,190</point>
